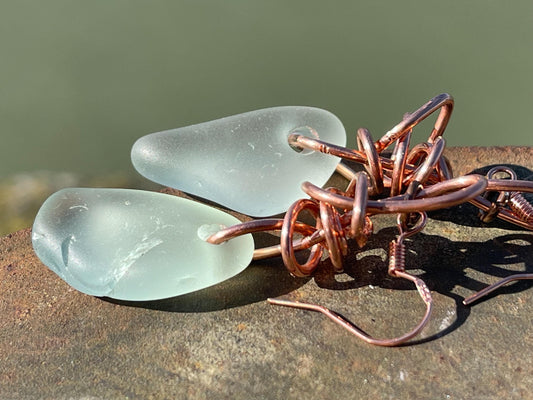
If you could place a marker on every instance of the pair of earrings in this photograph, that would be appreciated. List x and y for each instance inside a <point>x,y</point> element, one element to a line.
<point>137,245</point>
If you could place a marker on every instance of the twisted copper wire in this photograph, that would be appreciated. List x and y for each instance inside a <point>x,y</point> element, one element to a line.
<point>443,102</point>
<point>424,164</point>
<point>336,228</point>
<point>417,180</point>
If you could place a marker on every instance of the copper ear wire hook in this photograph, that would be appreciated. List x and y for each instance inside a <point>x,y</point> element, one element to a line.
<point>491,288</point>
<point>396,269</point>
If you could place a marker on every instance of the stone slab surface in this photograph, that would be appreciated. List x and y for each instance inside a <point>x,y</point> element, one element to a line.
<point>226,342</point>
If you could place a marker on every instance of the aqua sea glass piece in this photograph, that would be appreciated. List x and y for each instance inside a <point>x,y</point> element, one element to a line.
<point>135,245</point>
<point>243,162</point>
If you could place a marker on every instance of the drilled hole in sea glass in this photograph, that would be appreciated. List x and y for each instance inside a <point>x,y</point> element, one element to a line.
<point>306,131</point>
<point>207,230</point>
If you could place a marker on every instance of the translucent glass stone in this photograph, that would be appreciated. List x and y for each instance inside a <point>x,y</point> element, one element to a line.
<point>243,162</point>
<point>135,245</point>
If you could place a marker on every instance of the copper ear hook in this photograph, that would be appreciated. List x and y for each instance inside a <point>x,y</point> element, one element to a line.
<point>491,288</point>
<point>396,269</point>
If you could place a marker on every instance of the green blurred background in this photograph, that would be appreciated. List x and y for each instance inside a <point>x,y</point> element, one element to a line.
<point>81,80</point>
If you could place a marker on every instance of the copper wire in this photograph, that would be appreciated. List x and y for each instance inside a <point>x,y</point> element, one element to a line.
<point>521,207</point>
<point>409,183</point>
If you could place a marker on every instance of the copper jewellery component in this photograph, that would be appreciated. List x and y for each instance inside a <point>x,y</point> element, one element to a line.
<point>409,183</point>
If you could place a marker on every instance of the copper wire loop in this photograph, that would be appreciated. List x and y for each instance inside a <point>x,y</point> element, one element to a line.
<point>409,183</point>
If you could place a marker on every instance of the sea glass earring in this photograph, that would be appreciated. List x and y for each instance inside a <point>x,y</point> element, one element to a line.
<point>243,162</point>
<point>135,245</point>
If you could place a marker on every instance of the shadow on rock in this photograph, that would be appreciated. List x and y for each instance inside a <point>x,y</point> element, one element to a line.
<point>443,264</point>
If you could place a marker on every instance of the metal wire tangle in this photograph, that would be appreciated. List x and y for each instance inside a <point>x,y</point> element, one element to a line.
<point>409,183</point>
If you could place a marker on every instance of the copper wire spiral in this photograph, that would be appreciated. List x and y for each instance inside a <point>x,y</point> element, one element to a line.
<point>521,207</point>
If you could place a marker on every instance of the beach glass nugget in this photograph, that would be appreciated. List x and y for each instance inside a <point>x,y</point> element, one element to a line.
<point>243,162</point>
<point>135,245</point>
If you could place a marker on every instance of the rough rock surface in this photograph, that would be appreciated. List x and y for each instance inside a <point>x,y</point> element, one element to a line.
<point>227,342</point>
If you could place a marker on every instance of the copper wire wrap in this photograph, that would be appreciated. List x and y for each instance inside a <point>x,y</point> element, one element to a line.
<point>409,183</point>
<point>521,207</point>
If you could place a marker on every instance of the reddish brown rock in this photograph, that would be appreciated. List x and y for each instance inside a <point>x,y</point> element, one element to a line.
<point>227,342</point>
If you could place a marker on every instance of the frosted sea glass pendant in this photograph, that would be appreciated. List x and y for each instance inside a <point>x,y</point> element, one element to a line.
<point>243,162</point>
<point>135,245</point>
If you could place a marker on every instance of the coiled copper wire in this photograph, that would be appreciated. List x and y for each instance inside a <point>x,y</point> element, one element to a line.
<point>417,181</point>
<point>521,207</point>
